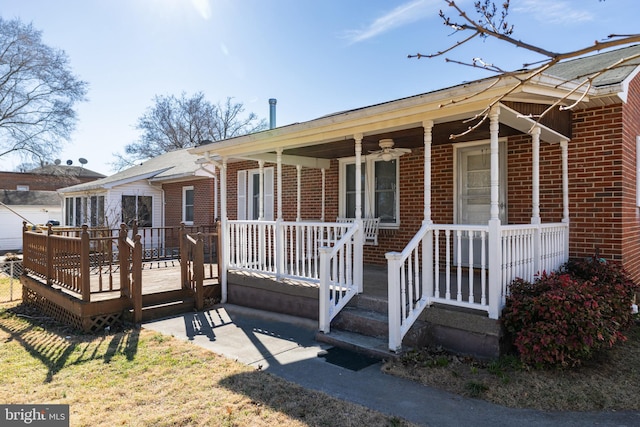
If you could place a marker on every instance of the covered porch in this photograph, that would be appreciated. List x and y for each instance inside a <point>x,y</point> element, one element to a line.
<point>444,248</point>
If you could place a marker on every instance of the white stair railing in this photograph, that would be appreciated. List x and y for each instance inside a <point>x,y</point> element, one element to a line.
<point>339,278</point>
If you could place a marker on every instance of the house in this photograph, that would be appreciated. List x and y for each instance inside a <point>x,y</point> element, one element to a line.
<point>160,192</point>
<point>380,209</point>
<point>458,218</point>
<point>31,197</point>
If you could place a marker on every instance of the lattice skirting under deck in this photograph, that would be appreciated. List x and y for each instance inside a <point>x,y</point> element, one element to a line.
<point>88,324</point>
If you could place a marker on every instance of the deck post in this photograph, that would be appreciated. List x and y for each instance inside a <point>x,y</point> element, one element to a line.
<point>136,272</point>
<point>198,273</point>
<point>393,283</point>
<point>324,315</point>
<point>50,267</point>
<point>85,279</point>
<point>123,258</point>
<point>184,258</point>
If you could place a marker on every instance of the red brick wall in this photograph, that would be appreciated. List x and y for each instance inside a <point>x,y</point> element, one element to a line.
<point>35,181</point>
<point>630,215</point>
<point>595,183</point>
<point>203,202</point>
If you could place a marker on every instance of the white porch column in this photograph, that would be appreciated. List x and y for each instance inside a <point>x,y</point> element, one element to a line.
<point>324,186</point>
<point>427,244</point>
<point>359,241</point>
<point>261,191</point>
<point>225,232</point>
<point>535,175</point>
<point>428,137</point>
<point>564,145</point>
<point>535,198</point>
<point>279,186</point>
<point>299,191</point>
<point>495,238</point>
<point>279,243</point>
<point>358,149</point>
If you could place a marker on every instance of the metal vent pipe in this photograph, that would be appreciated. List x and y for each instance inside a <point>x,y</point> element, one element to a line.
<point>272,113</point>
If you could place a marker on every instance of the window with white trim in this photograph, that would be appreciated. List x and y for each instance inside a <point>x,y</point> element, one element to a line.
<point>249,194</point>
<point>188,205</point>
<point>380,197</point>
<point>137,208</point>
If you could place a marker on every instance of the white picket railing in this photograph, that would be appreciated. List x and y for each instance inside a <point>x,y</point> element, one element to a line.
<point>280,248</point>
<point>448,264</point>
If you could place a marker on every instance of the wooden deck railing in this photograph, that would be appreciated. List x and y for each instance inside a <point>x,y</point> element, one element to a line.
<point>197,250</point>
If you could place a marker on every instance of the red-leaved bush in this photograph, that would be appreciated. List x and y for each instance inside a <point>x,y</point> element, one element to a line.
<point>563,318</point>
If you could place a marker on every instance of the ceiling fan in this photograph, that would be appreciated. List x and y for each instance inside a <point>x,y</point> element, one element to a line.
<point>387,152</point>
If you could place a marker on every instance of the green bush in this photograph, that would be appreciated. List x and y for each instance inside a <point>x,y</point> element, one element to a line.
<point>563,319</point>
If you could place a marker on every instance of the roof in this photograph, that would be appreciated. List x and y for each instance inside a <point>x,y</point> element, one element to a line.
<point>29,198</point>
<point>172,165</point>
<point>64,170</point>
<point>578,69</point>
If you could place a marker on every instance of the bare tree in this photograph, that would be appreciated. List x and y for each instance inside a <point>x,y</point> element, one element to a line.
<point>492,22</point>
<point>173,123</point>
<point>37,94</point>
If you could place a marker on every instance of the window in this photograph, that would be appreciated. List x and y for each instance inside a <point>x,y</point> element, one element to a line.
<point>84,210</point>
<point>187,205</point>
<point>249,194</point>
<point>137,208</point>
<point>379,196</point>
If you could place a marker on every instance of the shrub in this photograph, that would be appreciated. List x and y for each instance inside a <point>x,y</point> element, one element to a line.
<point>563,319</point>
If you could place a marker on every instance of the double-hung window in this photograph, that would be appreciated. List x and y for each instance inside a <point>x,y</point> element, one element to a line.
<point>379,190</point>
<point>187,205</point>
<point>249,194</point>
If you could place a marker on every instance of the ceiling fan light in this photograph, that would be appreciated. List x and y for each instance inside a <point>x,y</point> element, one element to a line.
<point>387,156</point>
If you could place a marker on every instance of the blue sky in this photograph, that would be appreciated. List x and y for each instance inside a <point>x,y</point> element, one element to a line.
<point>314,57</point>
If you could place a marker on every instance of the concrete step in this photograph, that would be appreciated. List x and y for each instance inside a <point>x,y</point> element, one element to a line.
<point>371,303</point>
<point>361,321</point>
<point>369,346</point>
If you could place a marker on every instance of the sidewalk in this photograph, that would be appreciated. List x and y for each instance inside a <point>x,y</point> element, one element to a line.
<point>285,346</point>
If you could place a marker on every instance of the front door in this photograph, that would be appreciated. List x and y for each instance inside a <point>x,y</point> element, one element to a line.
<point>474,193</point>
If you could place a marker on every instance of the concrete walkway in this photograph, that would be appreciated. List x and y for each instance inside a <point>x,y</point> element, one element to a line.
<point>285,346</point>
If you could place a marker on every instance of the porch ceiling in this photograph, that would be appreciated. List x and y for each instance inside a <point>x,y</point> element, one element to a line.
<point>407,138</point>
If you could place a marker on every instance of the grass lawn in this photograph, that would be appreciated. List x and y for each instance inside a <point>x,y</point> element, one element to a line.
<point>139,378</point>
<point>609,382</point>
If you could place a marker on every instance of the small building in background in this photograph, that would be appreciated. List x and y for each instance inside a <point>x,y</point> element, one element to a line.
<point>32,197</point>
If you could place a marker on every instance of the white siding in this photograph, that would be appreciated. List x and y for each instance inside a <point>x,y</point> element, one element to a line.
<point>11,224</point>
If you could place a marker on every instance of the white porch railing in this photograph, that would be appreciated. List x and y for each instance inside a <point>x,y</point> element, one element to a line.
<point>280,248</point>
<point>448,264</point>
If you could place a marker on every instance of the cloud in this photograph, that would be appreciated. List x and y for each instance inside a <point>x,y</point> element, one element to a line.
<point>554,11</point>
<point>203,8</point>
<point>404,14</point>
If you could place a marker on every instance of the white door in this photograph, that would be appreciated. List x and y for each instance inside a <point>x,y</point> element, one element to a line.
<point>474,193</point>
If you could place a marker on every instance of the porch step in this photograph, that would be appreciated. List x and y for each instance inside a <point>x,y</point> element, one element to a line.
<point>362,321</point>
<point>371,303</point>
<point>158,311</point>
<point>164,304</point>
<point>370,346</point>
